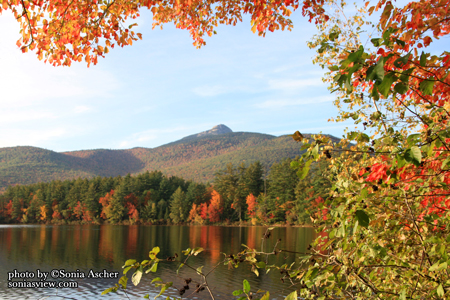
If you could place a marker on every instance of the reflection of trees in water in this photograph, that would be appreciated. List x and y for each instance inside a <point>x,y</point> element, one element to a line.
<point>108,246</point>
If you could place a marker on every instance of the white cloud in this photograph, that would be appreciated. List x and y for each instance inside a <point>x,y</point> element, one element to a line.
<point>137,139</point>
<point>25,80</point>
<point>216,90</point>
<point>282,103</point>
<point>41,104</point>
<point>82,109</point>
<point>12,116</point>
<point>166,135</point>
<point>294,84</point>
<point>210,91</point>
<point>34,137</point>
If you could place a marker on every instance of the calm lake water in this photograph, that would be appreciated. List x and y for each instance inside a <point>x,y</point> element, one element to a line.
<point>81,248</point>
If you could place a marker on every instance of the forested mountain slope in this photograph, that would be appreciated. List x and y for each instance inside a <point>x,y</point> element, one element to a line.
<point>196,158</point>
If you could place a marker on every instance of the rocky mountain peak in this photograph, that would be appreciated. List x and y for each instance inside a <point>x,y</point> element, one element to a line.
<point>218,129</point>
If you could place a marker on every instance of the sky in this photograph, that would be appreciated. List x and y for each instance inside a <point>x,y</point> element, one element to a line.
<point>162,88</point>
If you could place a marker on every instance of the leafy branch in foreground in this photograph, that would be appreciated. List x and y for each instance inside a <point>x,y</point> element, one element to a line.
<point>258,261</point>
<point>385,223</point>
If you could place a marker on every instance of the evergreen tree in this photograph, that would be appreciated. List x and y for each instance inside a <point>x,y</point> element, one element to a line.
<point>253,179</point>
<point>17,208</point>
<point>161,209</point>
<point>167,214</point>
<point>117,210</point>
<point>196,194</point>
<point>165,189</point>
<point>92,198</point>
<point>226,183</point>
<point>176,206</point>
<point>282,183</point>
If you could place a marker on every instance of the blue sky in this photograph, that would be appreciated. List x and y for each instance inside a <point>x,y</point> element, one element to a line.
<point>162,89</point>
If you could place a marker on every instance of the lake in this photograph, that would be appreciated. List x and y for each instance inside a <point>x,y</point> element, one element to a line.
<point>78,249</point>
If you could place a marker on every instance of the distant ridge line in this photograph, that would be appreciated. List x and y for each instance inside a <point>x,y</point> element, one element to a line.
<point>196,157</point>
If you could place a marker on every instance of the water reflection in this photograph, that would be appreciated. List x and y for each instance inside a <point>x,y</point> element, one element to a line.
<point>99,247</point>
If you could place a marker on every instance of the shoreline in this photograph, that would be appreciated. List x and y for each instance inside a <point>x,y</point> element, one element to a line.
<point>149,224</point>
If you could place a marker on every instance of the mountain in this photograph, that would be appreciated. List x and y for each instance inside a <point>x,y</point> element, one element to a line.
<point>195,157</point>
<point>216,130</point>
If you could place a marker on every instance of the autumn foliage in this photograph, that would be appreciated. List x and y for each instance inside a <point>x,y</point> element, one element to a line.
<point>251,205</point>
<point>390,194</point>
<point>215,207</point>
<point>63,32</point>
<point>384,226</point>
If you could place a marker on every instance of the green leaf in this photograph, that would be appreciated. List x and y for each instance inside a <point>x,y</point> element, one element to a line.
<point>334,35</point>
<point>355,56</point>
<point>401,61</point>
<point>400,42</point>
<point>352,135</point>
<point>376,42</point>
<point>414,155</point>
<point>156,279</point>
<point>179,267</point>
<point>123,281</point>
<point>261,264</point>
<point>333,68</point>
<point>237,292</point>
<point>246,286</point>
<point>305,146</point>
<point>108,290</point>
<point>197,250</point>
<point>406,74</point>
<point>266,296</point>
<point>376,72</point>
<point>295,164</point>
<point>375,116</point>
<point>305,170</point>
<point>402,295</point>
<point>423,59</point>
<point>315,151</point>
<point>154,267</point>
<point>440,290</point>
<point>136,278</point>
<point>199,270</point>
<point>364,193</point>
<point>292,296</point>
<point>401,88</point>
<point>154,252</point>
<point>163,289</point>
<point>445,162</point>
<point>400,161</point>
<point>385,86</point>
<point>426,86</point>
<point>413,139</point>
<point>363,138</point>
<point>129,262</point>
<point>437,266</point>
<point>125,271</point>
<point>363,218</point>
<point>375,95</point>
